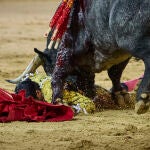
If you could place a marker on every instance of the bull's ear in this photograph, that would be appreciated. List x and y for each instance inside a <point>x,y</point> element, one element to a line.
<point>39,52</point>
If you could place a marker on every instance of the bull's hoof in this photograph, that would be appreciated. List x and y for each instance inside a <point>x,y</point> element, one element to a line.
<point>127,99</point>
<point>123,99</point>
<point>120,100</point>
<point>141,107</point>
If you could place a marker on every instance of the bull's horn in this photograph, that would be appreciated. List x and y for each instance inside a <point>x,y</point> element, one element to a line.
<point>39,52</point>
<point>33,65</point>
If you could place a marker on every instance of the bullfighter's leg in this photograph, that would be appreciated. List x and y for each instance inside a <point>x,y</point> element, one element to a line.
<point>120,95</point>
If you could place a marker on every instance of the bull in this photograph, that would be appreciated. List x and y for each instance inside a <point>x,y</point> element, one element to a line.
<point>104,35</point>
<point>104,38</point>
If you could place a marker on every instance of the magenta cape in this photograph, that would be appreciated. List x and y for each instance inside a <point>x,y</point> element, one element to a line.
<point>15,107</point>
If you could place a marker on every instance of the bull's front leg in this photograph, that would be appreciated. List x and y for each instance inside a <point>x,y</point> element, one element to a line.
<point>119,94</point>
<point>62,68</point>
<point>57,85</point>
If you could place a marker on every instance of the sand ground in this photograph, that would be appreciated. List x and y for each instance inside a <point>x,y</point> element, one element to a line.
<point>22,25</point>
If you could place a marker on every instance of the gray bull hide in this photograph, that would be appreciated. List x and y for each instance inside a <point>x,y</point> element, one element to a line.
<point>103,36</point>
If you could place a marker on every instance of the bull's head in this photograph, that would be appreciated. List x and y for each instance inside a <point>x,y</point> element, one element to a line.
<point>47,59</point>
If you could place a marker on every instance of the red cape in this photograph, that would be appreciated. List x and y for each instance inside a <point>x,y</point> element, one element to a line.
<point>15,107</point>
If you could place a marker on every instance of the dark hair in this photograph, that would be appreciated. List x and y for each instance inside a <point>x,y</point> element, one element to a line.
<point>29,86</point>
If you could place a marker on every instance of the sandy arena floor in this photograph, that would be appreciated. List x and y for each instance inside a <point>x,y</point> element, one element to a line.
<point>22,25</point>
